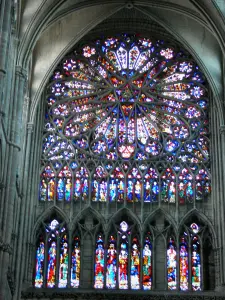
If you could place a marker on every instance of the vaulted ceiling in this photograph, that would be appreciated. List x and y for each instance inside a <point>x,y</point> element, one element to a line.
<point>48,29</point>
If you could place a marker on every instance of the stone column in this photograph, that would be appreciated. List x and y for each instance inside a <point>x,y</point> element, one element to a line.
<point>221,208</point>
<point>10,192</point>
<point>5,24</point>
<point>24,216</point>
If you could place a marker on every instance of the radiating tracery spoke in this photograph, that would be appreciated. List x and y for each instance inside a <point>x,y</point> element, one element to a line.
<point>128,97</point>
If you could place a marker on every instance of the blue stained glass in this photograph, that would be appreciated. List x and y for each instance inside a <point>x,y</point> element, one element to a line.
<point>39,269</point>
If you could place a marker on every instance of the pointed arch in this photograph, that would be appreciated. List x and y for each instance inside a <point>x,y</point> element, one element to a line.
<point>194,213</point>
<point>47,214</point>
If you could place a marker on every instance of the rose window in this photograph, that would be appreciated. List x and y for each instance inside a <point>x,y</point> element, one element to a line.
<point>128,97</point>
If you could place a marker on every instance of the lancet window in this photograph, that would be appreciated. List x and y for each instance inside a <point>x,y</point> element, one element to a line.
<point>123,260</point>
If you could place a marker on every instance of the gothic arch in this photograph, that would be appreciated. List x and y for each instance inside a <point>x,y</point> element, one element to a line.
<point>84,213</point>
<point>124,212</point>
<point>195,214</point>
<point>207,65</point>
<point>160,211</point>
<point>47,214</point>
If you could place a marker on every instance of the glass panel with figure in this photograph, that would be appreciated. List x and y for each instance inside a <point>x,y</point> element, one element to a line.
<point>63,262</point>
<point>75,263</point>
<point>183,264</point>
<point>123,263</point>
<point>99,264</point>
<point>171,265</point>
<point>147,264</point>
<point>51,268</point>
<point>111,267</point>
<point>195,264</point>
<point>39,267</point>
<point>135,265</point>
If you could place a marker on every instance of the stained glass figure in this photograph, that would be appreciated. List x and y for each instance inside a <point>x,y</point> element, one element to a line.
<point>195,264</point>
<point>184,264</point>
<point>116,185</point>
<point>64,185</point>
<point>81,189</point>
<point>185,187</point>
<point>75,263</point>
<point>203,186</point>
<point>171,265</point>
<point>47,185</point>
<point>147,264</point>
<point>111,267</point>
<point>63,262</point>
<point>151,186</point>
<point>135,265</point>
<point>39,266</point>
<point>99,263</point>
<point>51,269</point>
<point>99,185</point>
<point>134,186</point>
<point>123,264</point>
<point>168,187</point>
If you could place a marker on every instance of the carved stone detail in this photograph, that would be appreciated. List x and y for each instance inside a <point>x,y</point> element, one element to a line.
<point>5,247</point>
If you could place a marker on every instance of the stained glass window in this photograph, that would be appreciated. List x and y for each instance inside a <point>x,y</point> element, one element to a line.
<point>184,264</point>
<point>171,265</point>
<point>63,262</point>
<point>99,264</point>
<point>151,186</point>
<point>39,266</point>
<point>147,264</point>
<point>75,263</point>
<point>51,270</point>
<point>123,263</point>
<point>126,122</point>
<point>135,265</point>
<point>185,187</point>
<point>195,258</point>
<point>64,185</point>
<point>126,98</point>
<point>111,266</point>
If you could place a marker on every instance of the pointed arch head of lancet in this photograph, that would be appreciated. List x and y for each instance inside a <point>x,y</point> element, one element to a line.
<point>51,213</point>
<point>88,219</point>
<point>127,216</point>
<point>195,216</point>
<point>161,221</point>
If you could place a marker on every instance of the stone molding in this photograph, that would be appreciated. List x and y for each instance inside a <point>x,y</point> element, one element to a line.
<point>20,71</point>
<point>5,247</point>
<point>30,127</point>
<point>222,129</point>
<point>121,295</point>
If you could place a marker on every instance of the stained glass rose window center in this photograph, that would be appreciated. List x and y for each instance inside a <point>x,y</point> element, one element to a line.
<point>128,97</point>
